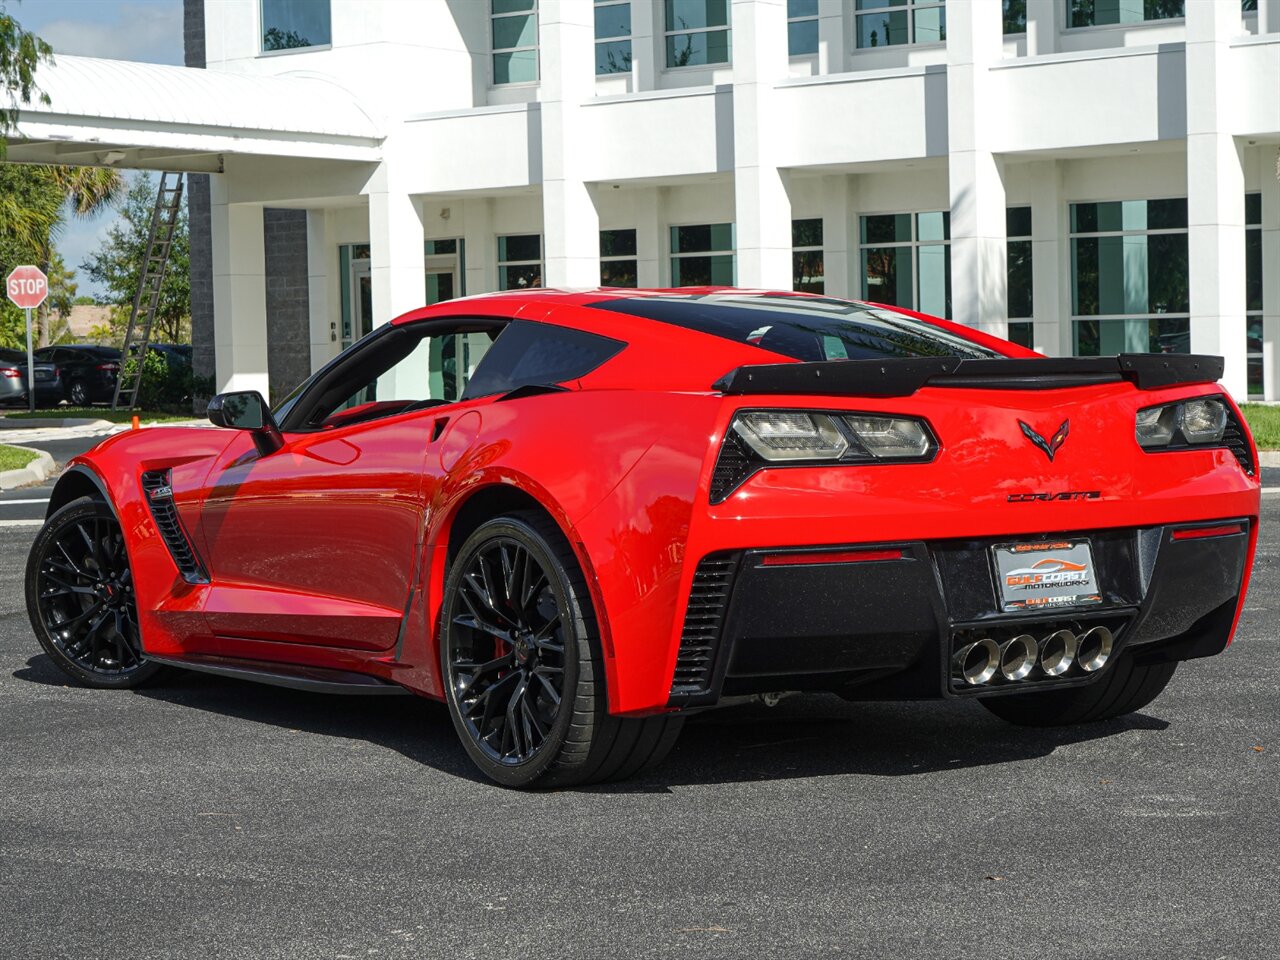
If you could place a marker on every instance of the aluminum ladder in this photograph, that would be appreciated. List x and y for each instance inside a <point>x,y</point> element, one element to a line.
<point>155,263</point>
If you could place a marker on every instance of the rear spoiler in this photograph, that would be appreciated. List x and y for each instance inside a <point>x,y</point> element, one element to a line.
<point>903,377</point>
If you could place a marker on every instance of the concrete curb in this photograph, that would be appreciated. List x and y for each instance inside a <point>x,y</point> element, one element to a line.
<point>1269,458</point>
<point>52,423</point>
<point>37,470</point>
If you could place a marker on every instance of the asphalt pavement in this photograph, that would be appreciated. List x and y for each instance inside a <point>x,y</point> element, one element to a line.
<point>205,817</point>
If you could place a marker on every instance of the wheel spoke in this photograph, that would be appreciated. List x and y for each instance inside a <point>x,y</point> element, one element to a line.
<point>549,687</point>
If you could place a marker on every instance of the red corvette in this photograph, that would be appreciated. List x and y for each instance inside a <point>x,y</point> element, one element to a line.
<point>577,517</point>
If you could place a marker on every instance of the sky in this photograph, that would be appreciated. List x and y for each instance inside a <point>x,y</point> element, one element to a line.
<point>148,30</point>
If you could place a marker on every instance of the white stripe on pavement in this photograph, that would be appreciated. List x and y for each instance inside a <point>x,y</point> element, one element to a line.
<point>21,523</point>
<point>4,502</point>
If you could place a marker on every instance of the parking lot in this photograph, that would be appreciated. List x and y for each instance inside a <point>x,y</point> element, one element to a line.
<point>206,817</point>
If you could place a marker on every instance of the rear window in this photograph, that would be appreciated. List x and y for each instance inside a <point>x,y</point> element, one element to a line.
<point>527,354</point>
<point>804,328</point>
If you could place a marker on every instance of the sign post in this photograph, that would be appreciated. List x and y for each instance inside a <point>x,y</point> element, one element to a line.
<point>27,287</point>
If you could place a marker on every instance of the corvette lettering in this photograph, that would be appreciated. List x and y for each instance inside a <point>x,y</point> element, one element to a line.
<point>1047,497</point>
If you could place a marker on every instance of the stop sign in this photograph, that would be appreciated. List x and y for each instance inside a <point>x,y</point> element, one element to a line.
<point>27,287</point>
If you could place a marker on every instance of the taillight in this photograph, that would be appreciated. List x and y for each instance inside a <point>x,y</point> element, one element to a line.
<point>1194,424</point>
<point>11,372</point>
<point>109,367</point>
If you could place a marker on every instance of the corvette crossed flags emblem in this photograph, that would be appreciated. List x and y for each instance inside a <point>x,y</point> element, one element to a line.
<point>1050,446</point>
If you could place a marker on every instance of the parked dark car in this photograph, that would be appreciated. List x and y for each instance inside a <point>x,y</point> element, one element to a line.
<point>88,371</point>
<point>174,353</point>
<point>13,380</point>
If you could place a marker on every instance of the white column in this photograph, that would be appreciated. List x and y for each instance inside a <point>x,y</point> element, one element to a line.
<point>239,292</point>
<point>762,208</point>
<point>650,222</point>
<point>1271,278</point>
<point>323,296</point>
<point>396,272</point>
<point>838,238</point>
<point>1268,16</point>
<point>1215,193</point>
<point>1050,259</point>
<point>1042,26</point>
<point>570,223</point>
<point>481,246</point>
<point>979,280</point>
<point>646,45</point>
<point>832,42</point>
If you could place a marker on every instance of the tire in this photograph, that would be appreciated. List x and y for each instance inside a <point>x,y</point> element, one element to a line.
<point>1127,687</point>
<point>79,590</point>
<point>78,394</point>
<point>519,639</point>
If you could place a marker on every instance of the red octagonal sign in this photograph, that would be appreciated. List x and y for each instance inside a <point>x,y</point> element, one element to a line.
<point>27,286</point>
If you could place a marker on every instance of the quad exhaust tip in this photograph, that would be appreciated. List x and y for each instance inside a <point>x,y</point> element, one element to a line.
<point>981,661</point>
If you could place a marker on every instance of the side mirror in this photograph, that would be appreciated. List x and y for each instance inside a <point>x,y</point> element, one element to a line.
<point>246,410</point>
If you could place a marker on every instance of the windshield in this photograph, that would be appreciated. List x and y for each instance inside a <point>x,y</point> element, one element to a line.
<point>804,328</point>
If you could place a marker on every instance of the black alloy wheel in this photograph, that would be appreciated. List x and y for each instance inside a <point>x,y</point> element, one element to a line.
<point>80,597</point>
<point>522,668</point>
<point>78,394</point>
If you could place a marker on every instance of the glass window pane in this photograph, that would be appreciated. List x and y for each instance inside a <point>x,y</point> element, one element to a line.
<point>515,32</point>
<point>617,243</point>
<point>933,226</point>
<point>702,271</point>
<point>700,237</point>
<point>935,280</point>
<point>1168,274</point>
<point>521,277</point>
<point>802,8</point>
<point>1167,214</point>
<point>887,228</point>
<point>807,272</point>
<point>1015,16</point>
<point>518,67</point>
<point>931,25</point>
<point>528,247</point>
<point>882,29</point>
<point>1255,376</point>
<point>1253,334</point>
<point>806,233</point>
<point>513,6</point>
<point>613,56</point>
<point>693,14</point>
<point>877,4</point>
<point>1253,209</point>
<point>436,248</point>
<point>1020,279</point>
<point>613,21</point>
<point>1023,334</point>
<point>1084,218</point>
<point>802,38</point>
<point>1169,336</point>
<point>886,275</point>
<point>618,273</point>
<point>288,24</point>
<point>1253,269</point>
<point>697,49</point>
<point>1017,222</point>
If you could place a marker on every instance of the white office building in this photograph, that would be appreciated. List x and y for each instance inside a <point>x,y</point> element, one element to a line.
<point>1083,176</point>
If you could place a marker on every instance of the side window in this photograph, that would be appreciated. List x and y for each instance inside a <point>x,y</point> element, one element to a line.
<point>438,368</point>
<point>529,353</point>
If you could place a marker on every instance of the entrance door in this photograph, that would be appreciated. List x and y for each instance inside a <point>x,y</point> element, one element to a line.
<point>440,284</point>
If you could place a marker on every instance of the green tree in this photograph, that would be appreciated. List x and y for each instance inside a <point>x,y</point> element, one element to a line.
<point>20,54</point>
<point>117,265</point>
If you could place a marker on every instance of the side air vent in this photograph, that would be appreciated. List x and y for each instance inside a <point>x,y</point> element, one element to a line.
<point>703,621</point>
<point>155,487</point>
<point>733,466</point>
<point>1233,439</point>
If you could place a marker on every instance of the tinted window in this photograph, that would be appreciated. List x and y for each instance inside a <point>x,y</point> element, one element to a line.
<point>805,328</point>
<point>528,353</point>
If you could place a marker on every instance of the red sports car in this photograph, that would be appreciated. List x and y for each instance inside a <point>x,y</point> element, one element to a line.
<point>578,517</point>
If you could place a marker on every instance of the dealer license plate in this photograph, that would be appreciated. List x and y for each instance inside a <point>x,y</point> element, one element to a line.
<point>1047,574</point>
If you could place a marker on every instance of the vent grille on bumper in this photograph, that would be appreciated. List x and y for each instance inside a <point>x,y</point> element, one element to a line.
<point>1233,439</point>
<point>155,486</point>
<point>700,639</point>
<point>733,466</point>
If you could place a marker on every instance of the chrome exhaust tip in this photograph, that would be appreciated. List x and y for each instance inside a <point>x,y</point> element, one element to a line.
<point>1018,657</point>
<point>1095,649</point>
<point>976,663</point>
<point>1058,652</point>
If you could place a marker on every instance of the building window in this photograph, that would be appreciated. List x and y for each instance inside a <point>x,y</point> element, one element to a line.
<point>702,256</point>
<point>520,262</point>
<point>1097,13</point>
<point>697,32</point>
<point>1130,277</point>
<point>906,261</point>
<point>618,258</point>
<point>889,23</point>
<point>806,256</point>
<point>514,32</point>
<point>802,27</point>
<point>1015,16</point>
<point>1253,289</point>
<point>613,36</point>
<point>1021,296</point>
<point>290,24</point>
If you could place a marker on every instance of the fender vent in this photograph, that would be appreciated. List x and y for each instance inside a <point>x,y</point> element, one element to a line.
<point>703,620</point>
<point>155,487</point>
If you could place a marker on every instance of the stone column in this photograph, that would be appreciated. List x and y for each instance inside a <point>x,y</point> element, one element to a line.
<point>239,292</point>
<point>570,223</point>
<point>1215,193</point>
<point>979,279</point>
<point>762,207</point>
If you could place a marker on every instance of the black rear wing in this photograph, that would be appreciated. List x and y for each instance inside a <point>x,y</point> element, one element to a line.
<point>903,377</point>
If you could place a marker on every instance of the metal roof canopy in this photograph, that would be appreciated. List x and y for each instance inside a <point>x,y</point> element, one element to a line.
<point>151,116</point>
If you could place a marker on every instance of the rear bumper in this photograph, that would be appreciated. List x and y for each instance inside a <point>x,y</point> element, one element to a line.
<point>883,621</point>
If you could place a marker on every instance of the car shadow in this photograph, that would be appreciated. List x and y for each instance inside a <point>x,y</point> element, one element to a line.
<point>804,736</point>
